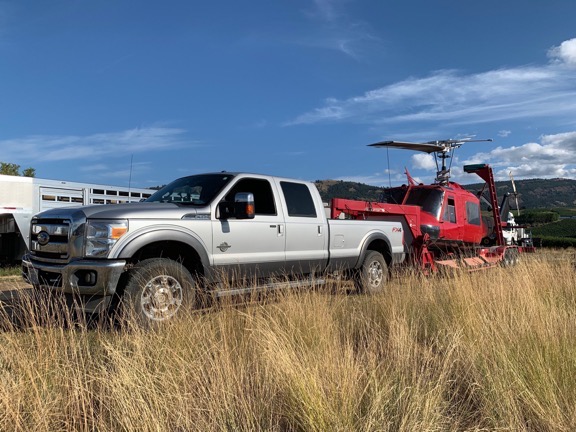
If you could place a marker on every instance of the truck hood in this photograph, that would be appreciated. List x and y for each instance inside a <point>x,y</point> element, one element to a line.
<point>127,211</point>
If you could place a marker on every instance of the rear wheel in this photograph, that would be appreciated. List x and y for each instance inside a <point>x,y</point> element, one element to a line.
<point>157,290</point>
<point>511,257</point>
<point>372,275</point>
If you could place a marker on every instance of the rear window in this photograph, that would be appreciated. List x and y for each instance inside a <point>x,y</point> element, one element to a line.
<point>298,200</point>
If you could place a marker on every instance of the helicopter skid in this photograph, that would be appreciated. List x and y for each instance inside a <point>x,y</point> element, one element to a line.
<point>486,258</point>
<point>468,264</point>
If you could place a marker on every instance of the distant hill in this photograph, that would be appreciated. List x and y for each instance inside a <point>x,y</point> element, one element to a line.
<point>538,193</point>
<point>533,193</point>
<point>345,189</point>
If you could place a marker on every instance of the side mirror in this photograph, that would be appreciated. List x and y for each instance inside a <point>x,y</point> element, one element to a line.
<point>244,205</point>
<point>241,208</point>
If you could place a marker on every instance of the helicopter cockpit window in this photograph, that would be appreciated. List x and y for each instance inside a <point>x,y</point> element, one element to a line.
<point>393,195</point>
<point>450,211</point>
<point>430,200</point>
<point>473,213</point>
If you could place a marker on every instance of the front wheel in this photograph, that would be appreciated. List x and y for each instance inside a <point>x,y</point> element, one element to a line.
<point>157,290</point>
<point>373,274</point>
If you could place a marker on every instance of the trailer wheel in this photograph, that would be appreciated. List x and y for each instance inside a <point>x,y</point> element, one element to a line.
<point>157,289</point>
<point>372,275</point>
<point>511,257</point>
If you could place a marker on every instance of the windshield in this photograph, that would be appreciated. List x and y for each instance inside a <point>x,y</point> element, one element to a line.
<point>192,190</point>
<point>430,200</point>
<point>393,195</point>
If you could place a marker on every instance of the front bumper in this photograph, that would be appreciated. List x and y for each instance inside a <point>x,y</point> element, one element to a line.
<point>83,277</point>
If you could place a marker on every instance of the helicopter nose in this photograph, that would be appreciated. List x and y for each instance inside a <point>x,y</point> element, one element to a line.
<point>432,230</point>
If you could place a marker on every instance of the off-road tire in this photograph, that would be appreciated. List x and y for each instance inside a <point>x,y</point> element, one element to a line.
<point>372,276</point>
<point>157,290</point>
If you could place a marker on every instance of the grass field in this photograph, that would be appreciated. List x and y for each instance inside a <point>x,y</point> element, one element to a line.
<point>487,351</point>
<point>10,271</point>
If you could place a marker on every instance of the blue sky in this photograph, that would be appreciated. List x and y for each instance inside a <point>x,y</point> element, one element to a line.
<point>291,88</point>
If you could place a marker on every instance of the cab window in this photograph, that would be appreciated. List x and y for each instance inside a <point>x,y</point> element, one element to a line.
<point>263,196</point>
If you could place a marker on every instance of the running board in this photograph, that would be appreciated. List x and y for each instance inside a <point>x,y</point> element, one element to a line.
<point>270,287</point>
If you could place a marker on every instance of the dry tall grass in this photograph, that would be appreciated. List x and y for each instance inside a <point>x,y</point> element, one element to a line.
<point>494,350</point>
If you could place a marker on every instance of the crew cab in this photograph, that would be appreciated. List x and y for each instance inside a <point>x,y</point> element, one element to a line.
<point>198,238</point>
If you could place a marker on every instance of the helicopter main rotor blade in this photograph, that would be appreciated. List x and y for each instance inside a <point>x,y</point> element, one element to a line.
<point>515,192</point>
<point>427,147</point>
<point>423,147</point>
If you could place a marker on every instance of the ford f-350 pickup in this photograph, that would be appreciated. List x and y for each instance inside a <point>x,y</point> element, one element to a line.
<point>195,237</point>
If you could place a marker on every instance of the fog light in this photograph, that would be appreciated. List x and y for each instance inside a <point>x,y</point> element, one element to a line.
<point>90,278</point>
<point>86,277</point>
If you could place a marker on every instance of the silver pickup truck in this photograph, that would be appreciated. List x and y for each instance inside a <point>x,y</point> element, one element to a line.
<point>196,238</point>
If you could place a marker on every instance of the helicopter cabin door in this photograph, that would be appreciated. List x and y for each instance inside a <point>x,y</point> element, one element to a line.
<point>474,232</point>
<point>451,226</point>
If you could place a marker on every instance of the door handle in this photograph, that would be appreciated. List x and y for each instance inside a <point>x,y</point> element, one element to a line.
<point>279,229</point>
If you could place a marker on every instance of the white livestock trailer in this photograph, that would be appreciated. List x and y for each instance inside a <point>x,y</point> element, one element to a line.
<point>23,197</point>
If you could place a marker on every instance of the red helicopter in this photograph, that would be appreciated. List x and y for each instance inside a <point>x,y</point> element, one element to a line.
<point>449,213</point>
<point>439,219</point>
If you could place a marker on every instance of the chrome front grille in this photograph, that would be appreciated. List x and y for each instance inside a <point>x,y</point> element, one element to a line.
<point>52,240</point>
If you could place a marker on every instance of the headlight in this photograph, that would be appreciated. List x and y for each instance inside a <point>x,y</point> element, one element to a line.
<point>102,235</point>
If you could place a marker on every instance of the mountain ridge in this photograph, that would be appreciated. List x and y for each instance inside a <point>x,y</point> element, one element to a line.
<point>532,193</point>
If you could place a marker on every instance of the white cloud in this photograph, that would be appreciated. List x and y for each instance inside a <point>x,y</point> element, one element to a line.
<point>451,97</point>
<point>504,133</point>
<point>90,148</point>
<point>383,180</point>
<point>423,161</point>
<point>325,10</point>
<point>554,156</point>
<point>336,30</point>
<point>94,167</point>
<point>565,53</point>
<point>116,171</point>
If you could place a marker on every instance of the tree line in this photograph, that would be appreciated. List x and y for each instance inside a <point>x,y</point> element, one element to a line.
<point>13,169</point>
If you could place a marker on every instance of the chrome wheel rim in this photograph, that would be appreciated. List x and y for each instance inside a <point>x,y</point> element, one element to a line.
<point>161,297</point>
<point>375,274</point>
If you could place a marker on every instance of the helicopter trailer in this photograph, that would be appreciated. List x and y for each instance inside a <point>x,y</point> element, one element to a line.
<point>425,253</point>
<point>431,247</point>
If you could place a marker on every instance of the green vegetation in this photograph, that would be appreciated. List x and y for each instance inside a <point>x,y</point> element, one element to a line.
<point>565,212</point>
<point>537,217</point>
<point>349,190</point>
<point>548,229</point>
<point>10,271</point>
<point>490,351</point>
<point>13,169</point>
<point>557,242</point>
<point>561,228</point>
